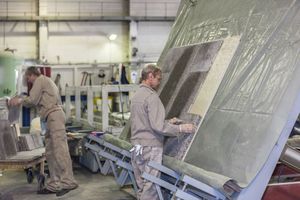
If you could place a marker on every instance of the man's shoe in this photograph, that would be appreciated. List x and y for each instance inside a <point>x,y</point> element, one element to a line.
<point>64,191</point>
<point>45,191</point>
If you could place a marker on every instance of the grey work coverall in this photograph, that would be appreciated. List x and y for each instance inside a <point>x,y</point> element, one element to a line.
<point>148,128</point>
<point>45,96</point>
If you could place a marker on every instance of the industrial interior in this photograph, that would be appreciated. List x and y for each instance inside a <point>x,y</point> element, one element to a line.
<point>229,67</point>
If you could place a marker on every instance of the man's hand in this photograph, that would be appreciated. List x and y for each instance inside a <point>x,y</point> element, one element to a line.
<point>187,128</point>
<point>175,120</point>
<point>15,101</point>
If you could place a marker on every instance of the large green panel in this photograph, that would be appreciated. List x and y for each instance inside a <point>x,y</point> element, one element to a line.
<point>9,70</point>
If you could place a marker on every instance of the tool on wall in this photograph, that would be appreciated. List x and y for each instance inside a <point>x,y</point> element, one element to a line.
<point>101,76</point>
<point>85,76</point>
<point>57,82</point>
<point>90,78</point>
<point>123,80</point>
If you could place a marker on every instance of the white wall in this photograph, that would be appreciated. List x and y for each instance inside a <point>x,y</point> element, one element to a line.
<point>151,39</point>
<point>72,47</point>
<point>87,42</point>
<point>20,36</point>
<point>66,77</point>
<point>73,74</point>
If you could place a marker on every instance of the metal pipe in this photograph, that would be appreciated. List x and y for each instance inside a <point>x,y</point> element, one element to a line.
<point>291,157</point>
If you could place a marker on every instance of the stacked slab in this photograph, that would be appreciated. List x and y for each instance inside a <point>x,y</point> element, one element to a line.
<point>8,140</point>
<point>28,142</point>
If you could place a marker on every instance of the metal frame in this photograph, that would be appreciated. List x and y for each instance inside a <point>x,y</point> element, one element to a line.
<point>181,186</point>
<point>95,149</point>
<point>116,160</point>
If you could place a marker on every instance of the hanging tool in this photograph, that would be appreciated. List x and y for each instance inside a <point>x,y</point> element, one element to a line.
<point>90,78</point>
<point>84,77</point>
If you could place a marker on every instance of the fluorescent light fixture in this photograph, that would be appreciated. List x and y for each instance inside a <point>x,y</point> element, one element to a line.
<point>112,37</point>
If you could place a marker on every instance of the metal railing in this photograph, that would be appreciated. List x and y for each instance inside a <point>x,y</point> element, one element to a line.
<point>90,91</point>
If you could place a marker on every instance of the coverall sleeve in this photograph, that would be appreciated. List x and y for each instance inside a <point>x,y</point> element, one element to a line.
<point>35,94</point>
<point>156,114</point>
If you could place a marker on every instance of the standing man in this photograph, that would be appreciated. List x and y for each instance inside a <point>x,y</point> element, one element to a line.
<point>45,96</point>
<point>148,129</point>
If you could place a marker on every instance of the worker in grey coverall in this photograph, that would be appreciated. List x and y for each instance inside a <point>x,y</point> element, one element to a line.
<point>148,129</point>
<point>45,96</point>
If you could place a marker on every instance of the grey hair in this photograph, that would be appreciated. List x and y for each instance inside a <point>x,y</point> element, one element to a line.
<point>150,69</point>
<point>32,70</point>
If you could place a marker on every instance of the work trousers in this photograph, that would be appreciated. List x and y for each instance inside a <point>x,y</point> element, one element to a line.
<point>57,154</point>
<point>146,189</point>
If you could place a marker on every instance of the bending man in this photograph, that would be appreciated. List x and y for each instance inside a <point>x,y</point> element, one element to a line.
<point>45,96</point>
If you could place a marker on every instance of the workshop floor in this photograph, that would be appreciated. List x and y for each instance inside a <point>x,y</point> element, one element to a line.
<point>13,186</point>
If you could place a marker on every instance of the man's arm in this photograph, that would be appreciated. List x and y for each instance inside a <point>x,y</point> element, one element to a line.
<point>156,114</point>
<point>175,121</point>
<point>35,94</point>
<point>32,100</point>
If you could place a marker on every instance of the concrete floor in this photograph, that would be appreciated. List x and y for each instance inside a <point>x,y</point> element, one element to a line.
<point>13,186</point>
